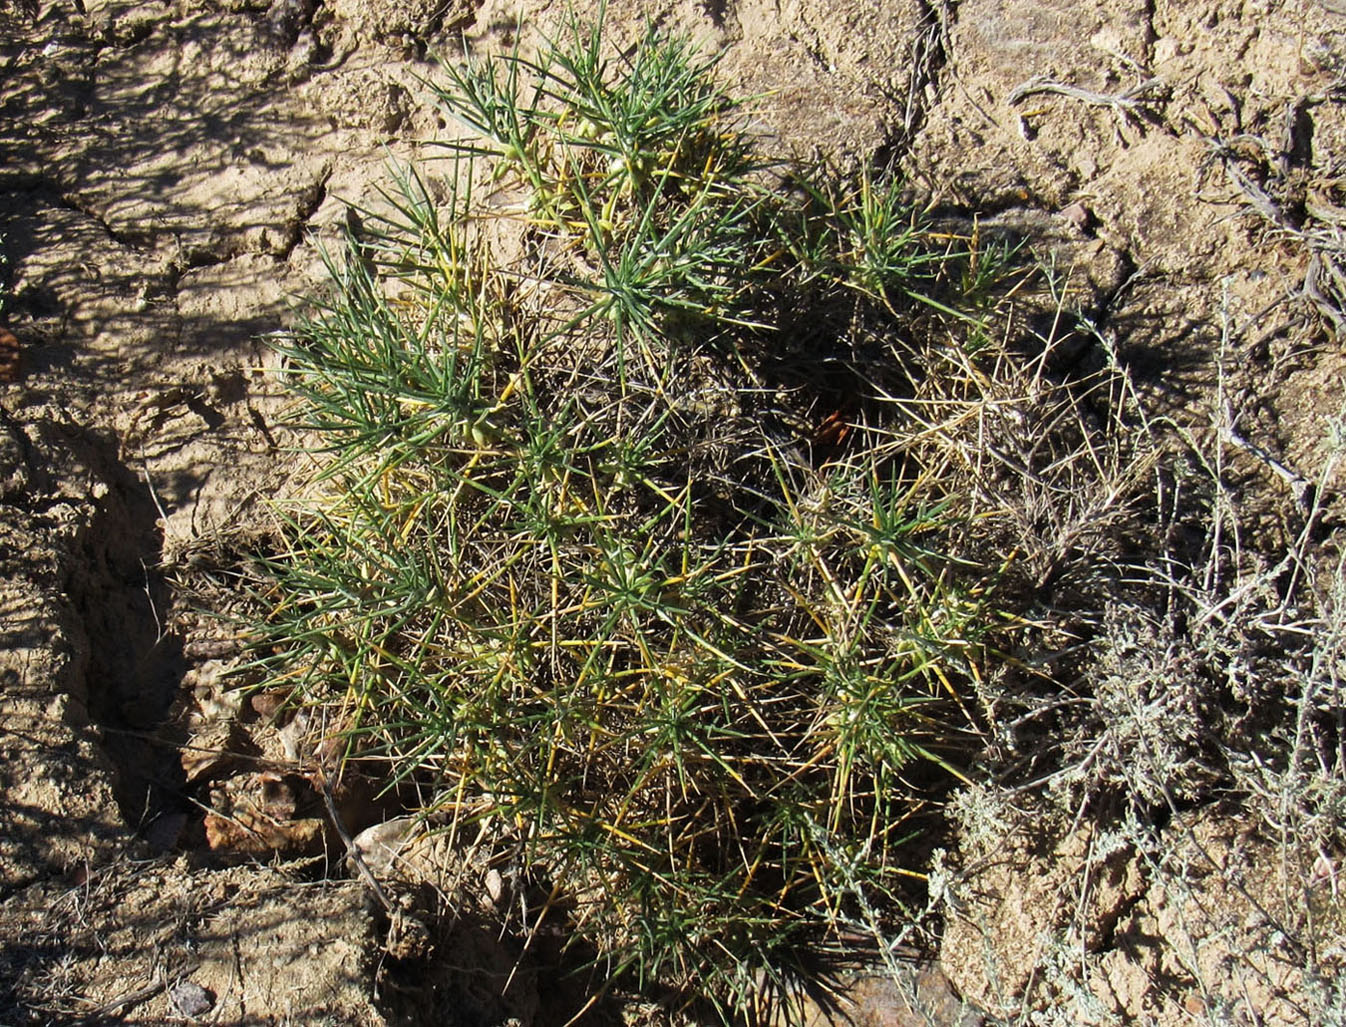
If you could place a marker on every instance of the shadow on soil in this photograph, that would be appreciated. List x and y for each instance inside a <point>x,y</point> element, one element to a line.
<point>135,663</point>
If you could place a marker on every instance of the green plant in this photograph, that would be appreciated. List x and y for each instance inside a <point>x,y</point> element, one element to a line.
<point>585,568</point>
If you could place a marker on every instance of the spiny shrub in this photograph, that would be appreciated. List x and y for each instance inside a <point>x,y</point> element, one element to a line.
<point>618,554</point>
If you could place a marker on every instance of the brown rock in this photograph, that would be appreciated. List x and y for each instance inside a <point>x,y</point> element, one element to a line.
<point>269,703</point>
<point>264,815</point>
<point>248,834</point>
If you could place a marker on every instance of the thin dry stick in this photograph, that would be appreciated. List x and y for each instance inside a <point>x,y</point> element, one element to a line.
<point>122,1003</point>
<point>351,850</point>
<point>1128,105</point>
<point>1299,485</point>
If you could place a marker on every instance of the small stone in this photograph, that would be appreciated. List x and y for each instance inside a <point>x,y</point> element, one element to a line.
<point>1077,214</point>
<point>190,999</point>
<point>1324,873</point>
<point>269,703</point>
<point>293,736</point>
<point>380,845</point>
<point>495,885</point>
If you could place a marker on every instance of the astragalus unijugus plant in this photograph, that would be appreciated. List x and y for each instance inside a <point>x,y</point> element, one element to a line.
<point>619,552</point>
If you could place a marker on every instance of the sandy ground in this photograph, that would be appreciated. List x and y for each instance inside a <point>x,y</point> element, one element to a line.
<point>169,175</point>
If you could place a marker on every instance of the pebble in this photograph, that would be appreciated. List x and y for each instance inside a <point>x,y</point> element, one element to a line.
<point>380,845</point>
<point>190,999</point>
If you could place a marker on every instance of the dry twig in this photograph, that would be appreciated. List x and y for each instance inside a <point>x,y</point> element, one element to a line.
<point>1129,105</point>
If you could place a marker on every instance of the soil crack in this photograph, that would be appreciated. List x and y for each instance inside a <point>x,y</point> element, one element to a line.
<point>135,664</point>
<point>930,52</point>
<point>139,242</point>
<point>310,202</point>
